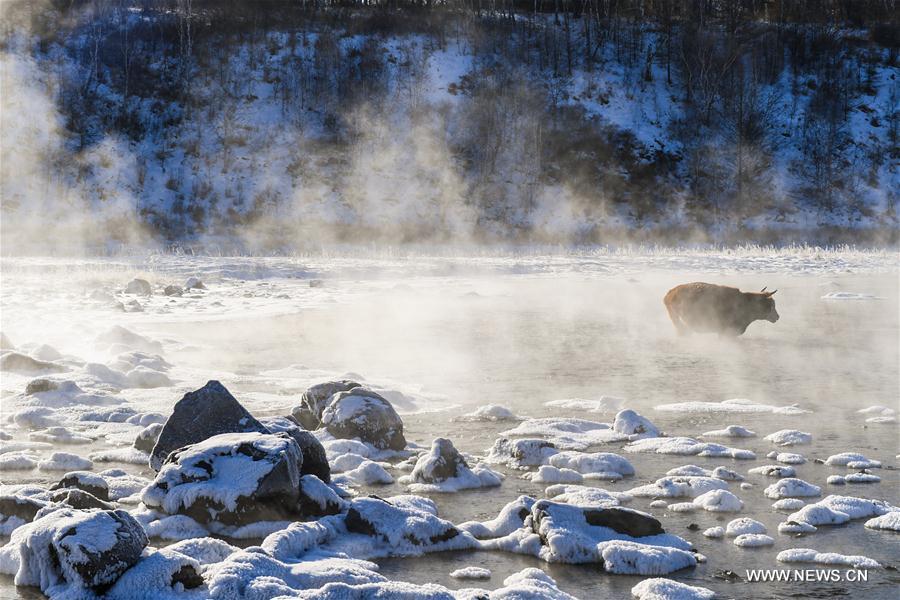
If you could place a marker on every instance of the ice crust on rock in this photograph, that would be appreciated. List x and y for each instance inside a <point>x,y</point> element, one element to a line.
<point>773,471</point>
<point>679,487</point>
<point>790,487</point>
<point>685,446</point>
<point>489,412</point>
<point>719,501</point>
<point>567,433</point>
<point>635,426</point>
<point>744,525</point>
<point>444,469</point>
<point>808,555</point>
<point>520,453</point>
<point>737,405</point>
<point>789,437</point>
<point>753,540</point>
<point>666,589</point>
<point>852,460</point>
<point>471,573</point>
<point>732,431</point>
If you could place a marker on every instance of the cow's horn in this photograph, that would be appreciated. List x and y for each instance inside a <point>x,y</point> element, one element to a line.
<point>762,290</point>
<point>772,292</point>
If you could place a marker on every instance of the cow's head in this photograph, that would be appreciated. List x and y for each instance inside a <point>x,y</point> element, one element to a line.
<point>765,305</point>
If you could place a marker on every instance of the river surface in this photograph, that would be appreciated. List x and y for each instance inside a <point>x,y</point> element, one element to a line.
<point>456,333</point>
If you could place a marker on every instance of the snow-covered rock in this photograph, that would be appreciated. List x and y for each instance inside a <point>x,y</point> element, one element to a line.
<point>790,487</point>
<point>363,414</point>
<point>635,426</point>
<point>200,415</point>
<point>232,479</point>
<point>71,552</point>
<point>789,437</point>
<point>314,400</point>
<point>808,555</point>
<point>719,501</point>
<point>520,453</point>
<point>443,469</point>
<point>666,589</point>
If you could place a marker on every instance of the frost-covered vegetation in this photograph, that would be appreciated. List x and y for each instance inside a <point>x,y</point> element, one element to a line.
<point>290,123</point>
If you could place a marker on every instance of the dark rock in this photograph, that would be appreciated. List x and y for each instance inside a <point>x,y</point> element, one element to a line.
<point>316,398</point>
<point>138,286</point>
<point>80,499</point>
<point>199,415</point>
<point>173,290</point>
<point>22,363</point>
<point>146,439</point>
<point>267,467</point>
<point>693,527</point>
<point>37,386</point>
<point>624,520</point>
<point>315,460</point>
<point>316,283</point>
<point>441,463</point>
<point>361,413</point>
<point>23,507</point>
<point>76,547</point>
<point>86,481</point>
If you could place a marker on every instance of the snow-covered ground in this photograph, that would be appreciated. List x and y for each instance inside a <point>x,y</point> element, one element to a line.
<point>440,336</point>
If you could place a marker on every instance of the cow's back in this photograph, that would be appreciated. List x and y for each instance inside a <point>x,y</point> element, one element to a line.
<point>703,306</point>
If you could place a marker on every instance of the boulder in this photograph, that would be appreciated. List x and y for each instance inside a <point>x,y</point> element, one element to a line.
<point>200,415</point>
<point>362,413</point>
<point>317,499</point>
<point>194,284</point>
<point>231,479</point>
<point>37,386</point>
<point>315,460</point>
<point>138,286</point>
<point>146,439</point>
<point>173,290</point>
<point>81,549</point>
<point>316,398</point>
<point>22,363</point>
<point>85,481</point>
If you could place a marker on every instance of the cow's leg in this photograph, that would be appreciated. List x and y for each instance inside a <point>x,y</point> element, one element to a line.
<point>680,328</point>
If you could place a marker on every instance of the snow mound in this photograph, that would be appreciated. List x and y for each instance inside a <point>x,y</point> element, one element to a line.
<point>471,573</point>
<point>852,460</point>
<point>753,540</point>
<point>732,431</point>
<point>567,434</point>
<point>744,525</point>
<point>789,437</point>
<point>808,555</point>
<point>719,501</point>
<point>685,446</point>
<point>666,589</point>
<point>679,487</point>
<point>790,487</point>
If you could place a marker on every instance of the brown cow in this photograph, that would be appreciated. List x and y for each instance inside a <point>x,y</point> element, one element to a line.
<point>706,307</point>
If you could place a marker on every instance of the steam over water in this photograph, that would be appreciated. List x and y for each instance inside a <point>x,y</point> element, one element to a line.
<point>452,334</point>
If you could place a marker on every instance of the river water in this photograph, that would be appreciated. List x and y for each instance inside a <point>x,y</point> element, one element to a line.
<point>456,333</point>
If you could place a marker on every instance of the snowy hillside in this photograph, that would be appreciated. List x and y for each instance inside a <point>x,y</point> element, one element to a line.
<point>166,124</point>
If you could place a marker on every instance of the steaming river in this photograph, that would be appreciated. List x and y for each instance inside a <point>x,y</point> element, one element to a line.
<point>452,334</point>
